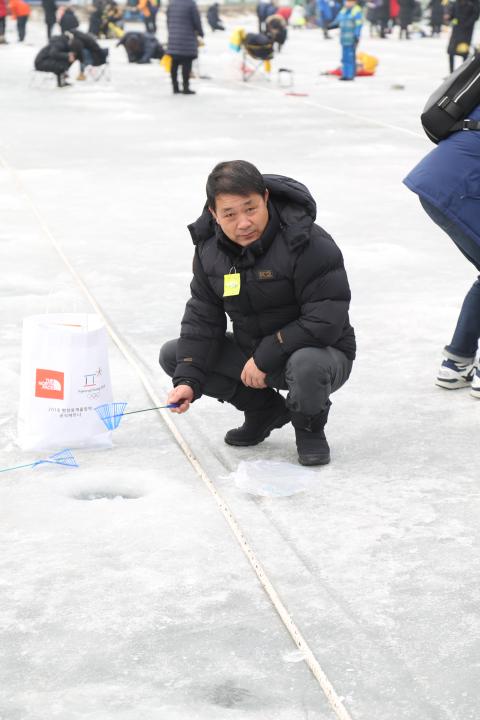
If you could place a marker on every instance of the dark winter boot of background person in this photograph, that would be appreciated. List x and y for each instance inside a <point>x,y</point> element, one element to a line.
<point>264,411</point>
<point>310,437</point>
<point>62,80</point>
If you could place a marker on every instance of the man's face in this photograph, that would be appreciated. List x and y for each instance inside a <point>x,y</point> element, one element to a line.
<point>243,218</point>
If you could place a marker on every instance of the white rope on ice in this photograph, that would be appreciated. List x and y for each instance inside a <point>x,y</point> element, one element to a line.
<point>310,659</point>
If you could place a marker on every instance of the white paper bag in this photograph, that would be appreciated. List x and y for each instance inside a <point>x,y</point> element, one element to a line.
<point>64,376</point>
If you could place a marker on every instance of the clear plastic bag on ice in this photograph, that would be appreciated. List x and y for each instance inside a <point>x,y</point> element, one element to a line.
<point>269,478</point>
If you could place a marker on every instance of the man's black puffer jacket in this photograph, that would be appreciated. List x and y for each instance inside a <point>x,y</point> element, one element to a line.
<point>294,291</point>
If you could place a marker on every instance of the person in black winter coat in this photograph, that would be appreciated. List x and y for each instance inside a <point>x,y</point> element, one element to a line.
<point>184,28</point>
<point>67,19</point>
<point>96,17</point>
<point>383,17</point>
<point>56,57</point>
<point>50,10</point>
<point>261,259</point>
<point>463,16</point>
<point>141,47</point>
<point>213,18</point>
<point>405,17</point>
<point>437,11</point>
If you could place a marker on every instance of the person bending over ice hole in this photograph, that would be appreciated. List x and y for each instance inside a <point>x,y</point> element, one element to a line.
<point>88,51</point>
<point>447,182</point>
<point>141,47</point>
<point>261,259</point>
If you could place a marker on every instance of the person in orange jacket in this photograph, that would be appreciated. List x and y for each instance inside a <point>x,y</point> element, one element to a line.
<point>20,11</point>
<point>149,9</point>
<point>3,14</point>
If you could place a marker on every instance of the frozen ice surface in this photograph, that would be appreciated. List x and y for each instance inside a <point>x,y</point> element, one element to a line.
<point>137,604</point>
<point>267,478</point>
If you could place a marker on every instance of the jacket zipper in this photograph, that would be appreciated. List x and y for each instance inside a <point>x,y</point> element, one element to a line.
<point>461,94</point>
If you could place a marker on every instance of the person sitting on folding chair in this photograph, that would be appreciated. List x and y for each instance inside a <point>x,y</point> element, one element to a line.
<point>259,46</point>
<point>57,56</point>
<point>106,20</point>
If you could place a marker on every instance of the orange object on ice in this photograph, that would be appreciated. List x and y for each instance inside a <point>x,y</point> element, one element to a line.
<point>366,66</point>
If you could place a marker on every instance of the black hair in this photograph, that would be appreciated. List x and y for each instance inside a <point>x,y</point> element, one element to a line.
<point>133,45</point>
<point>234,177</point>
<point>76,47</point>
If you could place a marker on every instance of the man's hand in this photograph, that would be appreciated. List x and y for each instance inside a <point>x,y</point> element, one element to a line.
<point>252,376</point>
<point>182,394</point>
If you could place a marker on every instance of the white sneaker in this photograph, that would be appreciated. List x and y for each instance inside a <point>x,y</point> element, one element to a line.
<point>475,387</point>
<point>454,374</point>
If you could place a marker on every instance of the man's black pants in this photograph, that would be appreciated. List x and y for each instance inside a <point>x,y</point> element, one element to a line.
<point>310,374</point>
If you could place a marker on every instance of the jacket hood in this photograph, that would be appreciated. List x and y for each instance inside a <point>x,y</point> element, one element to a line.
<point>293,202</point>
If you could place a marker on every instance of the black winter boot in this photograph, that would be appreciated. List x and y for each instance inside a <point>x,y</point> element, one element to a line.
<point>62,80</point>
<point>312,445</point>
<point>264,411</point>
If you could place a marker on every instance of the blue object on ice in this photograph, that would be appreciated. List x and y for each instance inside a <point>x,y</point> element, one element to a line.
<point>64,457</point>
<point>112,413</point>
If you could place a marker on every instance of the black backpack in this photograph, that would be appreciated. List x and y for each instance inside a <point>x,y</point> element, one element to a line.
<point>448,108</point>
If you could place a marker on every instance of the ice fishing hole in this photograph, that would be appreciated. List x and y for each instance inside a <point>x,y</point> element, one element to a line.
<point>105,495</point>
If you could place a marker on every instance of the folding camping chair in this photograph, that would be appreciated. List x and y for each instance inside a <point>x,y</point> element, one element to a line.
<point>257,47</point>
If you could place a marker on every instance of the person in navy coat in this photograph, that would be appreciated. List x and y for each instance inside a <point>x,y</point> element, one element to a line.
<point>447,182</point>
<point>184,28</point>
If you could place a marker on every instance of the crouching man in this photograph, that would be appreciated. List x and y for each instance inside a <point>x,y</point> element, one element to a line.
<point>261,260</point>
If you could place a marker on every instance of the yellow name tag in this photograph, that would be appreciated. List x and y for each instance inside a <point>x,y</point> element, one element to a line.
<point>231,285</point>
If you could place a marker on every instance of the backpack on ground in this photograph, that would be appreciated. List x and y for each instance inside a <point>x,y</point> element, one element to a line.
<point>447,109</point>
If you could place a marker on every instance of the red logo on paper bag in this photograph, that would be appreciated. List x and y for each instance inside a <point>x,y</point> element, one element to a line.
<point>49,384</point>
